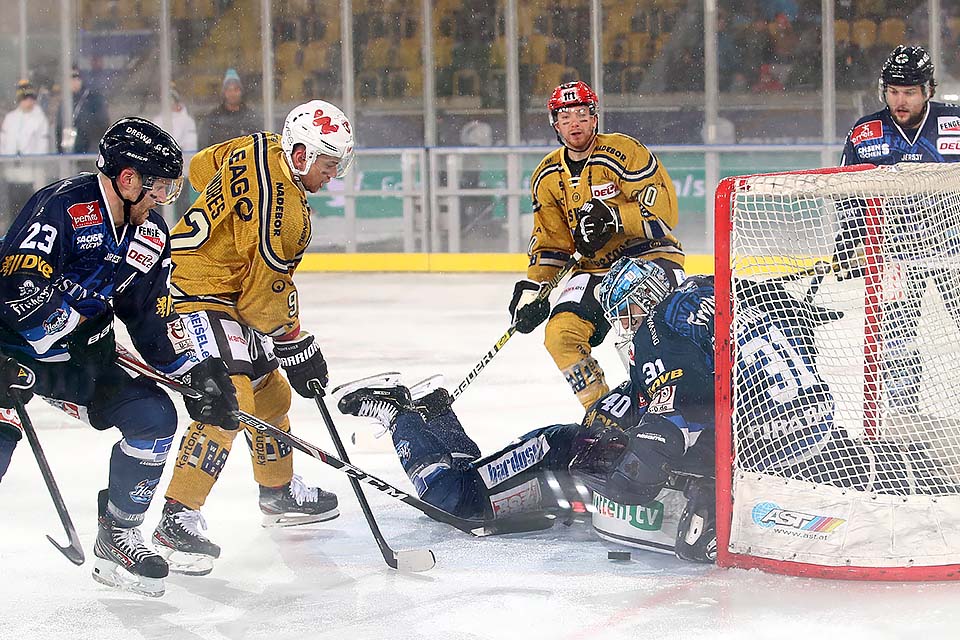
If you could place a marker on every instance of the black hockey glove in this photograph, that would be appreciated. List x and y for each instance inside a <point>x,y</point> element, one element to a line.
<point>218,403</point>
<point>92,344</point>
<point>16,381</point>
<point>303,362</point>
<point>596,223</point>
<point>526,312</point>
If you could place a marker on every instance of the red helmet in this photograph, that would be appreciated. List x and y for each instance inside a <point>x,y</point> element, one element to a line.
<point>571,94</point>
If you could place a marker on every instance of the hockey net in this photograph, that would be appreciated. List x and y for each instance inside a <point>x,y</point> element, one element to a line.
<point>838,390</point>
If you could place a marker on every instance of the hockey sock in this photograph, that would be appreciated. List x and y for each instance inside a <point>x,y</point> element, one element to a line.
<point>135,470</point>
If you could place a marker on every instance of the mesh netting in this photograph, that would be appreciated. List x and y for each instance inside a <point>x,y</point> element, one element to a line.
<point>846,307</point>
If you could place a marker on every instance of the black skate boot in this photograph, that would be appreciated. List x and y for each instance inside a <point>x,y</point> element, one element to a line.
<point>697,531</point>
<point>430,399</point>
<point>178,539</point>
<point>124,561</point>
<point>295,503</point>
<point>379,397</point>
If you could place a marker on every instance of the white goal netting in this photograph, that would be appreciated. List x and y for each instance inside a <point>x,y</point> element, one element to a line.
<point>845,366</point>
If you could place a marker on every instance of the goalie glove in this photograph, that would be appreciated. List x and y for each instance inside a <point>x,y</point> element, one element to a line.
<point>596,223</point>
<point>526,312</point>
<point>217,404</point>
<point>303,362</point>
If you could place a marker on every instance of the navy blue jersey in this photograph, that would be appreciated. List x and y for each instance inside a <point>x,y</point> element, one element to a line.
<point>671,367</point>
<point>878,139</point>
<point>63,259</point>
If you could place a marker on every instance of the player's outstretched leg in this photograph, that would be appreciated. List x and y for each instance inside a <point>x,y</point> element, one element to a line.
<point>379,397</point>
<point>123,560</point>
<point>697,532</point>
<point>179,540</point>
<point>295,503</point>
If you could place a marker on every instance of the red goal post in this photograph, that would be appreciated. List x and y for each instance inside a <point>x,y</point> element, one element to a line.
<point>878,497</point>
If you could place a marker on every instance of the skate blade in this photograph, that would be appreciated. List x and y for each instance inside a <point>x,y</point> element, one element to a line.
<point>113,575</point>
<point>388,378</point>
<point>426,386</point>
<point>271,520</point>
<point>187,564</point>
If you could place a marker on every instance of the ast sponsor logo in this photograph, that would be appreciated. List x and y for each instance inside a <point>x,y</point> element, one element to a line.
<point>872,130</point>
<point>521,458</point>
<point>85,214</point>
<point>811,526</point>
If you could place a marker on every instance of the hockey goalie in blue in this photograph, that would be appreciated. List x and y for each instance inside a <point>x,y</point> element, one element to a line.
<point>656,430</point>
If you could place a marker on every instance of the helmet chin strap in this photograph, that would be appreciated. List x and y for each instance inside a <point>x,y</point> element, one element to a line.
<point>127,204</point>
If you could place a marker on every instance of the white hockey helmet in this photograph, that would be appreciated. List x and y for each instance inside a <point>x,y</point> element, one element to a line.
<point>323,129</point>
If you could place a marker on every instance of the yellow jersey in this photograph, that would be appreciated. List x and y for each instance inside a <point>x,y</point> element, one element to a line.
<point>628,178</point>
<point>237,247</point>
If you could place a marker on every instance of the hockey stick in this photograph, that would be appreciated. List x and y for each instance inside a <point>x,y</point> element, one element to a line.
<point>536,521</point>
<point>409,560</point>
<point>488,356</point>
<point>74,550</point>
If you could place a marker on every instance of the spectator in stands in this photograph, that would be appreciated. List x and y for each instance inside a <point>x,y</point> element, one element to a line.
<point>233,118</point>
<point>25,131</point>
<point>182,126</point>
<point>767,81</point>
<point>90,118</point>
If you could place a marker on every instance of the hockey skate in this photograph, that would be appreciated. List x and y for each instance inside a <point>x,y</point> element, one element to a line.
<point>124,561</point>
<point>179,541</point>
<point>697,531</point>
<point>380,397</point>
<point>295,503</point>
<point>429,397</point>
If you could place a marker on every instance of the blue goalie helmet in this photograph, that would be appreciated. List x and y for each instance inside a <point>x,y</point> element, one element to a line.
<point>630,291</point>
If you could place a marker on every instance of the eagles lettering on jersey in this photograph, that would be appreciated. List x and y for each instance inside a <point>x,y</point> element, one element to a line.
<point>63,258</point>
<point>620,171</point>
<point>878,139</point>
<point>239,244</point>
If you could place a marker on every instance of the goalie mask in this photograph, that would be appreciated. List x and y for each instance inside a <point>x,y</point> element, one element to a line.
<point>322,129</point>
<point>570,96</point>
<point>907,67</point>
<point>629,292</point>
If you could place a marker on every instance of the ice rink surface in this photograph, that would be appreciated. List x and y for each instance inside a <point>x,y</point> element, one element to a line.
<point>329,580</point>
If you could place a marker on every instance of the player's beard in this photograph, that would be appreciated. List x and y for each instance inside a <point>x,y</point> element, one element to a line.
<point>913,120</point>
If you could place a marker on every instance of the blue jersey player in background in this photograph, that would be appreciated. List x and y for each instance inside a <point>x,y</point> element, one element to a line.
<point>910,128</point>
<point>81,252</point>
